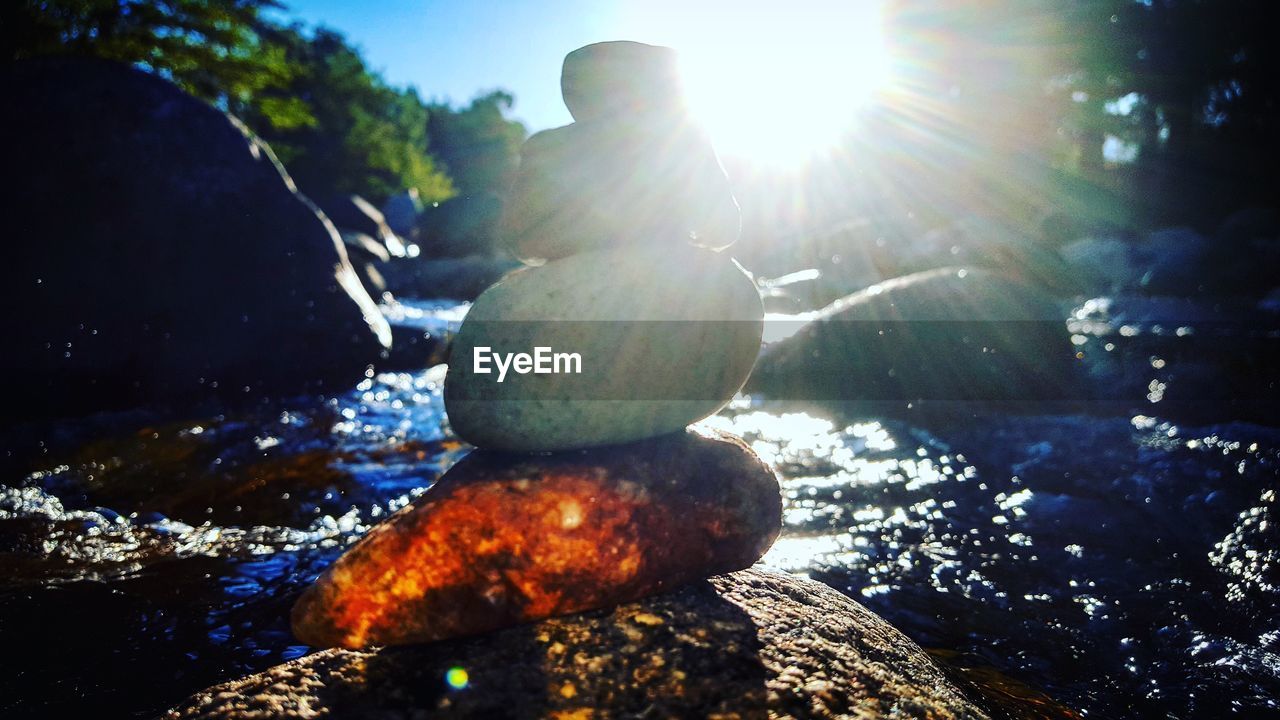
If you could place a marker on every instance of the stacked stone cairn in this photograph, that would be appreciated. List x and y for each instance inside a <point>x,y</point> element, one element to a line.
<point>589,488</point>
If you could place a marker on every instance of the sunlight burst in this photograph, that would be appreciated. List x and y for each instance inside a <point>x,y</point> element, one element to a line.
<point>779,89</point>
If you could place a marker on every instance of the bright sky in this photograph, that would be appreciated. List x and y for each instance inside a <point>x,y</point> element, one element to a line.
<point>749,58</point>
<point>456,50</point>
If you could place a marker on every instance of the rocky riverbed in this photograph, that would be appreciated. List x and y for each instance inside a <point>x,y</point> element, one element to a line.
<point>1119,564</point>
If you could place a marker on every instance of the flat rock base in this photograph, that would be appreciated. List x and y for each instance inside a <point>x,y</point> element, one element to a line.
<point>750,644</point>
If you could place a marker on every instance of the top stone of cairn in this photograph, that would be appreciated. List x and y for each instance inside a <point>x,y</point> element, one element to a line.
<point>620,78</point>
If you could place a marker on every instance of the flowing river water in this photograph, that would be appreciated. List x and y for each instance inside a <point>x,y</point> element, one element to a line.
<point>1119,564</point>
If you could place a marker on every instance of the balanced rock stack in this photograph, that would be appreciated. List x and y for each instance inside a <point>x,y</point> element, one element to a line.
<point>644,328</point>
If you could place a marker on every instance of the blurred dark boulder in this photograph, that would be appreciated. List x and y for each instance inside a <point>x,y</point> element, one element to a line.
<point>460,226</point>
<point>1171,262</point>
<point>1254,227</point>
<point>1249,241</point>
<point>1102,265</point>
<point>458,259</point>
<point>363,248</point>
<point>859,252</point>
<point>809,270</point>
<point>1175,261</point>
<point>462,278</point>
<point>164,254</point>
<point>941,336</point>
<point>401,213</point>
<point>1001,246</point>
<point>353,214</point>
<point>1239,261</point>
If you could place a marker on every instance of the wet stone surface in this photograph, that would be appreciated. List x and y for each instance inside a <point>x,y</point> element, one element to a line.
<point>503,539</point>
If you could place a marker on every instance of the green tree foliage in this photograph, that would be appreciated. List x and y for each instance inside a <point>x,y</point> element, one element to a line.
<point>213,50</point>
<point>1186,94</point>
<point>478,145</point>
<point>358,134</point>
<point>337,126</point>
<point>1167,106</point>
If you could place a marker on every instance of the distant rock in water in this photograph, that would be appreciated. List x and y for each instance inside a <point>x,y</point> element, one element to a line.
<point>1102,265</point>
<point>401,213</point>
<point>952,334</point>
<point>1238,262</point>
<point>1176,261</point>
<point>999,246</point>
<point>460,226</point>
<point>752,644</point>
<point>505,539</point>
<point>455,278</point>
<point>160,253</point>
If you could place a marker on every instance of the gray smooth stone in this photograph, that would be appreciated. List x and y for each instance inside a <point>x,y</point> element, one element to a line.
<point>665,336</point>
<point>620,78</point>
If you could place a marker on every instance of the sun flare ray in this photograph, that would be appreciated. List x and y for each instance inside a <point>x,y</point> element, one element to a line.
<point>779,89</point>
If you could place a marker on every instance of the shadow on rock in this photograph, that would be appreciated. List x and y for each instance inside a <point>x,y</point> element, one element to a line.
<point>753,644</point>
<point>656,658</point>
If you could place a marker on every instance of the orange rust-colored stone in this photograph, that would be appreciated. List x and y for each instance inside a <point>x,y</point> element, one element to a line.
<point>504,539</point>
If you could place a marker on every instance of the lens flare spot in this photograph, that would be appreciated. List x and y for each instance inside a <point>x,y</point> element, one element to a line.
<point>456,678</point>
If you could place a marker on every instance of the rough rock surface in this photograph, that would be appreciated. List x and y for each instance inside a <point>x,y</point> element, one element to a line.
<point>941,336</point>
<point>753,644</point>
<point>503,539</point>
<point>161,253</point>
